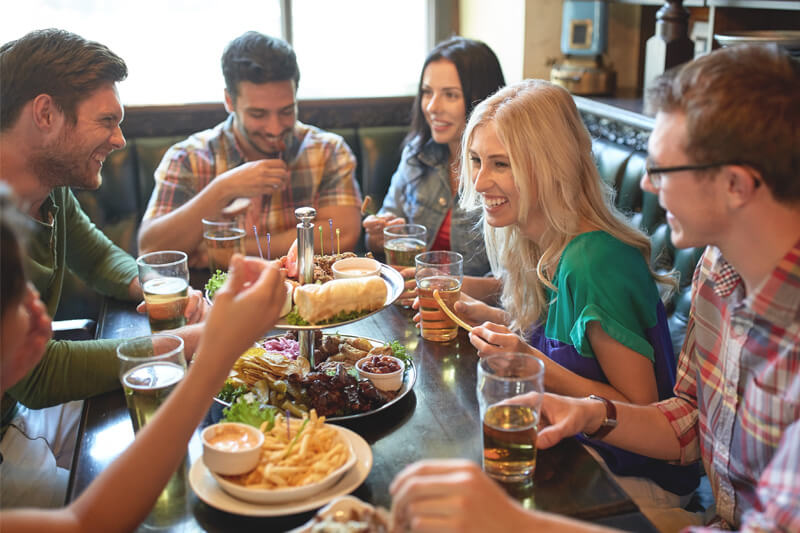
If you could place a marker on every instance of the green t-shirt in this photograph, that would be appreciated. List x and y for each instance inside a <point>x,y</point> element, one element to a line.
<point>601,278</point>
<point>71,370</point>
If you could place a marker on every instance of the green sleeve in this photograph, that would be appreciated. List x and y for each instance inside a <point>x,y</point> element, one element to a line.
<point>602,279</point>
<point>93,257</point>
<point>69,370</point>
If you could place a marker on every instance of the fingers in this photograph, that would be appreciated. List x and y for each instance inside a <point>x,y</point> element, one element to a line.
<point>141,308</point>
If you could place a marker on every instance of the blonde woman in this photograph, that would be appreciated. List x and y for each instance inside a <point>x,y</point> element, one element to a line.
<point>576,281</point>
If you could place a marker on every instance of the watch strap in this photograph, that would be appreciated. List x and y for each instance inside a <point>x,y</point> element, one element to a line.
<point>609,422</point>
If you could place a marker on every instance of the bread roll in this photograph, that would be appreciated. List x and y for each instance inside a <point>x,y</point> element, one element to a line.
<point>317,303</point>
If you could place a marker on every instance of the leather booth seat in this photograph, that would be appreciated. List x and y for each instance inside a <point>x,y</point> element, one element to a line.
<point>117,207</point>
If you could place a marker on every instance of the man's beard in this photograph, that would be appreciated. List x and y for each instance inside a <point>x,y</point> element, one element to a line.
<point>254,141</point>
<point>56,166</point>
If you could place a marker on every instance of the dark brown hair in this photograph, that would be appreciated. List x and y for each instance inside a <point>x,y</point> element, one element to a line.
<point>741,105</point>
<point>55,62</point>
<point>479,72</point>
<point>12,276</point>
<point>258,58</point>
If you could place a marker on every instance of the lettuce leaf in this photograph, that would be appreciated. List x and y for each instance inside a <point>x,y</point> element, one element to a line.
<point>250,412</point>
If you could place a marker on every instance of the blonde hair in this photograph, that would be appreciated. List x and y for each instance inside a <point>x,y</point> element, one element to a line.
<point>550,152</point>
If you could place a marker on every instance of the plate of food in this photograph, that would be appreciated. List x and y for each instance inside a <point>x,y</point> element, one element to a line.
<point>273,373</point>
<point>209,490</point>
<point>298,459</point>
<point>348,513</point>
<point>329,302</point>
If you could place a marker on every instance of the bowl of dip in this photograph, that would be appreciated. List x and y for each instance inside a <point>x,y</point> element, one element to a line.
<point>231,448</point>
<point>355,267</point>
<point>384,371</point>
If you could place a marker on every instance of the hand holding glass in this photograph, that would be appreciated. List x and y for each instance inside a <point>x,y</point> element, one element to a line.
<point>510,423</point>
<point>164,278</point>
<point>442,271</point>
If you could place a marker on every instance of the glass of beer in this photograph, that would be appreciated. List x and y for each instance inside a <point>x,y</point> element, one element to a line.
<point>442,271</point>
<point>149,369</point>
<point>402,243</point>
<point>164,278</point>
<point>510,422</point>
<point>223,238</point>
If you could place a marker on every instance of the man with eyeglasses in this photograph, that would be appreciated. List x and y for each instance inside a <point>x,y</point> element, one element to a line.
<point>726,125</point>
<point>724,158</point>
<point>262,154</point>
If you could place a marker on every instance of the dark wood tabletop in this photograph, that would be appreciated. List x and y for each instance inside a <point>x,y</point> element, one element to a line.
<point>438,419</point>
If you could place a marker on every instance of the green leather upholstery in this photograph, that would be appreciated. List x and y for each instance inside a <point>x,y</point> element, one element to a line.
<point>380,149</point>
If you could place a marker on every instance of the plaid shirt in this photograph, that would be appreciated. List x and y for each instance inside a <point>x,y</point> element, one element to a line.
<point>738,392</point>
<point>321,166</point>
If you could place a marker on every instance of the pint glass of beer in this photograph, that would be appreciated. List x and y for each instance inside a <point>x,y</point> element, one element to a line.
<point>164,277</point>
<point>149,369</point>
<point>442,271</point>
<point>510,420</point>
<point>223,238</point>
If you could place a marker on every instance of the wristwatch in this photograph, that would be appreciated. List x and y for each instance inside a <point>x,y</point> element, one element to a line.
<point>609,422</point>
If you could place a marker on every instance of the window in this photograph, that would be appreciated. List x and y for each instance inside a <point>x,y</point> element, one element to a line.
<point>349,48</point>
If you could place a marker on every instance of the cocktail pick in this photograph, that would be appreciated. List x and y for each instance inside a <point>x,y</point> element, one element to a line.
<point>321,249</point>
<point>338,244</point>
<point>330,223</point>
<point>268,252</point>
<point>288,433</point>
<point>258,242</point>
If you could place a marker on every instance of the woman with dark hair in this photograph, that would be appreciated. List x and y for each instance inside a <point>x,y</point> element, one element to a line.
<point>457,74</point>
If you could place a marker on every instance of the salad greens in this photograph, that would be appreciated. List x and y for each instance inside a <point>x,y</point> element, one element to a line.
<point>230,392</point>
<point>399,351</point>
<point>295,319</point>
<point>215,282</point>
<point>250,411</point>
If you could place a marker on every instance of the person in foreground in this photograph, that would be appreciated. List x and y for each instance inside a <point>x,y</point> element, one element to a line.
<point>261,152</point>
<point>245,307</point>
<point>575,275</point>
<point>59,119</point>
<point>723,158</point>
<point>457,74</point>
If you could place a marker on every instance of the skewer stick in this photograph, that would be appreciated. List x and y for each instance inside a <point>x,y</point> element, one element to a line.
<point>258,242</point>
<point>268,252</point>
<point>330,223</point>
<point>338,245</point>
<point>321,250</point>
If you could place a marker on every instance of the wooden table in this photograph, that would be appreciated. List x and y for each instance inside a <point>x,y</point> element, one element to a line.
<point>438,419</point>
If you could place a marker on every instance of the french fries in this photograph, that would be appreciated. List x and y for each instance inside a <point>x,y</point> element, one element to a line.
<point>300,453</point>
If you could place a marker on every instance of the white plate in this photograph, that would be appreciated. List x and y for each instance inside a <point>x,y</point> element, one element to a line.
<point>210,492</point>
<point>343,504</point>
<point>288,494</point>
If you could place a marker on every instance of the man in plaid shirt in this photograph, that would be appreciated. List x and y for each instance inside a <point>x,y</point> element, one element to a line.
<point>723,159</point>
<point>261,153</point>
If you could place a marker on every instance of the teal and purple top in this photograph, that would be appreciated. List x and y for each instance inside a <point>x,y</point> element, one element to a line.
<point>601,278</point>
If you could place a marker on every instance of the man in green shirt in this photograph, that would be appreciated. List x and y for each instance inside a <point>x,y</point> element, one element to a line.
<point>59,119</point>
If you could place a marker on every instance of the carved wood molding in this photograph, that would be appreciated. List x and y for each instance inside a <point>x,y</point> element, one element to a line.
<point>615,124</point>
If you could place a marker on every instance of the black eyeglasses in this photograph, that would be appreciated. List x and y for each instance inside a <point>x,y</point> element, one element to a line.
<point>656,174</point>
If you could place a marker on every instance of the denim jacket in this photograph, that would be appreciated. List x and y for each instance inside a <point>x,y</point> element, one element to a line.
<point>420,193</point>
